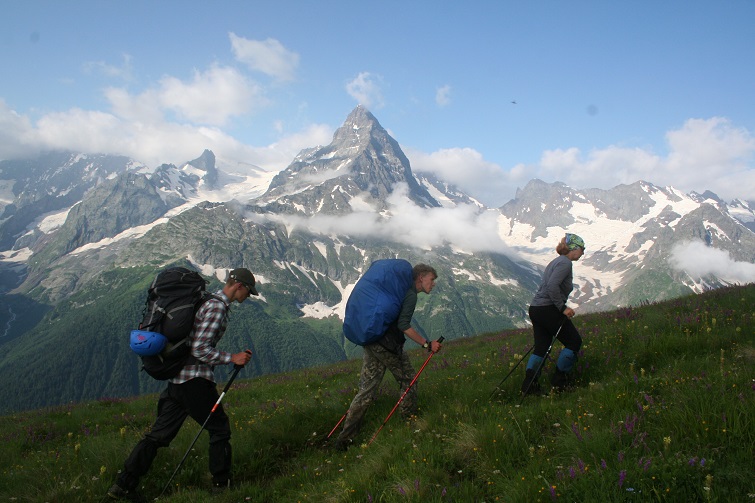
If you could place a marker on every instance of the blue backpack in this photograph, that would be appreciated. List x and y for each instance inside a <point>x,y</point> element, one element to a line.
<point>376,300</point>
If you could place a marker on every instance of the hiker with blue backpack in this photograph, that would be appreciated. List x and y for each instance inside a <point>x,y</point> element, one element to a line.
<point>551,318</point>
<point>383,339</point>
<point>192,391</point>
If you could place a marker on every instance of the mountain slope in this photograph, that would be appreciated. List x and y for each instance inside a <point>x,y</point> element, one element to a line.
<point>75,277</point>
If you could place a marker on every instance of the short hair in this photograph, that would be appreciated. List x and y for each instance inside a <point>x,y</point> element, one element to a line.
<point>421,269</point>
<point>562,248</point>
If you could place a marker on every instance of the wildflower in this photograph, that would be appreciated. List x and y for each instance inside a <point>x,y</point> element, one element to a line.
<point>622,477</point>
<point>103,469</point>
<point>666,442</point>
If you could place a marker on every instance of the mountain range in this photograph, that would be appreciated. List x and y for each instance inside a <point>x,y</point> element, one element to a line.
<point>82,235</point>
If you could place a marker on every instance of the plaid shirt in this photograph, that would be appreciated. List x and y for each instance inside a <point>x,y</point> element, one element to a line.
<point>209,326</point>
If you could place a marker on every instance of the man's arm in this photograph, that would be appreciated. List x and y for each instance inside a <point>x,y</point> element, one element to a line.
<point>210,317</point>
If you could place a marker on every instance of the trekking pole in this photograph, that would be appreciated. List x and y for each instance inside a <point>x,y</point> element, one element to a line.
<point>337,425</point>
<point>497,388</point>
<point>236,369</point>
<point>404,394</point>
<point>542,363</point>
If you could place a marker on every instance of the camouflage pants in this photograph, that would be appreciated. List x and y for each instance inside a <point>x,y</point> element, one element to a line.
<point>377,360</point>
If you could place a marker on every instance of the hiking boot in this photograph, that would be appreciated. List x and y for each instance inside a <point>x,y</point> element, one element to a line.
<point>343,444</point>
<point>530,386</point>
<point>116,492</point>
<point>220,487</point>
<point>559,381</point>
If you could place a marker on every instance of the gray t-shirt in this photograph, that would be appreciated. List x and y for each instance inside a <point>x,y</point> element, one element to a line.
<point>556,285</point>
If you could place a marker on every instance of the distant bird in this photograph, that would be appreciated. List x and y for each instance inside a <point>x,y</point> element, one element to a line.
<point>513,102</point>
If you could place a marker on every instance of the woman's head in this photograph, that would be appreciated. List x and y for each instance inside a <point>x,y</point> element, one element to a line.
<point>569,243</point>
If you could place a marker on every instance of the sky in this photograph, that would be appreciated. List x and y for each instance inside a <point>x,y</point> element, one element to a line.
<point>488,94</point>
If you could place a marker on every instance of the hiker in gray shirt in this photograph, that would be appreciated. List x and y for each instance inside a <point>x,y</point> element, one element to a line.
<point>551,317</point>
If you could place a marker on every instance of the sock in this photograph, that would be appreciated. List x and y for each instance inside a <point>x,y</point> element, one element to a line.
<point>534,362</point>
<point>566,360</point>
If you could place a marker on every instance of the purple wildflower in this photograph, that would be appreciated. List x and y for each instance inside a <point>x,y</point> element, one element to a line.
<point>622,477</point>
<point>575,429</point>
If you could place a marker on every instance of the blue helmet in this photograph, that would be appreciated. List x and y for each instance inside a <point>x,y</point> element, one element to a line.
<point>146,343</point>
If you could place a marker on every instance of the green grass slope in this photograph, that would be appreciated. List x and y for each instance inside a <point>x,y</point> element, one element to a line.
<point>663,410</point>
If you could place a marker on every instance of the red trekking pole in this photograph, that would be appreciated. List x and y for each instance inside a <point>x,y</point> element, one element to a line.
<point>404,394</point>
<point>337,425</point>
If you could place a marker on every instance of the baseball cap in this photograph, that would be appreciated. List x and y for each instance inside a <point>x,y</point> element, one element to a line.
<point>244,276</point>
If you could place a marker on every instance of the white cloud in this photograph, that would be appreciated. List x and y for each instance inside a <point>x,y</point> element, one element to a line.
<point>267,56</point>
<point>365,89</point>
<point>463,227</point>
<point>443,96</point>
<point>123,72</point>
<point>151,141</point>
<point>699,260</point>
<point>211,97</point>
<point>703,155</point>
<point>467,169</point>
<point>17,135</point>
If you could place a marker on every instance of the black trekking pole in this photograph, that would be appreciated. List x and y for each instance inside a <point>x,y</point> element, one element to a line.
<point>404,394</point>
<point>497,388</point>
<point>236,369</point>
<point>542,363</point>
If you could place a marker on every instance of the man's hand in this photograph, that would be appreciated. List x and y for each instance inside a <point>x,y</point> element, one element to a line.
<point>241,358</point>
<point>569,312</point>
<point>435,346</point>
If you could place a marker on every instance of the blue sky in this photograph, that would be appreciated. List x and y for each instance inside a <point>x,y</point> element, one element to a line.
<point>605,92</point>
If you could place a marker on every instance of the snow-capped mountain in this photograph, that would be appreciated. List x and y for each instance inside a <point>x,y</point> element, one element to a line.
<point>76,256</point>
<point>637,237</point>
<point>362,163</point>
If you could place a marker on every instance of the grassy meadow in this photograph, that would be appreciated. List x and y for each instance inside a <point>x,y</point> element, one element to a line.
<point>663,410</point>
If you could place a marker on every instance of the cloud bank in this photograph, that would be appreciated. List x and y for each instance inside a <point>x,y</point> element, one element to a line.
<point>464,227</point>
<point>704,154</point>
<point>699,261</point>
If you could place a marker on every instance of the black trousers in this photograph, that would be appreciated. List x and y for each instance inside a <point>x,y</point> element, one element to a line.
<point>195,399</point>
<point>545,323</point>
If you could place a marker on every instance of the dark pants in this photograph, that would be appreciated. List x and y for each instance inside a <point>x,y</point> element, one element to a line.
<point>195,399</point>
<point>545,323</point>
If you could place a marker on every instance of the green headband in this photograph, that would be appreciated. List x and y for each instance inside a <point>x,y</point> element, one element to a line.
<point>573,242</point>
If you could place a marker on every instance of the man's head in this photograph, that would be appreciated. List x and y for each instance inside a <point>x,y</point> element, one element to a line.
<point>241,284</point>
<point>424,277</point>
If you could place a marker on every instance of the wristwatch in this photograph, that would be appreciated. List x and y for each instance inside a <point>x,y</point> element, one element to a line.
<point>426,345</point>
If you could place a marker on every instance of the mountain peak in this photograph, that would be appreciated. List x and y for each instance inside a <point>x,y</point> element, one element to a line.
<point>362,162</point>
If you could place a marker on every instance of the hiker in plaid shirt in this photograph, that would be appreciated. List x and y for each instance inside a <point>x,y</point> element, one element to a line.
<point>193,393</point>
